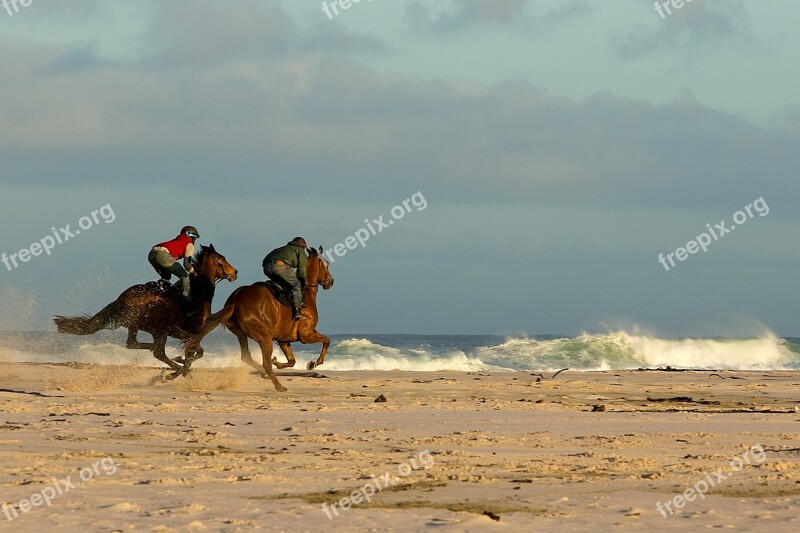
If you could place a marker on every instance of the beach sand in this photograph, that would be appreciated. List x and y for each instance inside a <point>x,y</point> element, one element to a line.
<point>223,451</point>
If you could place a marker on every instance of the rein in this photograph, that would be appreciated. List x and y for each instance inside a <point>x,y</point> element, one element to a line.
<point>314,286</point>
<point>216,280</point>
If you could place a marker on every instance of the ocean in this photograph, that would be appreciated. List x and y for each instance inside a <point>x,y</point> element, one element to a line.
<point>469,353</point>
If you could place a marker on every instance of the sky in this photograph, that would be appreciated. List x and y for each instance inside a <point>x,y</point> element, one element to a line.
<point>548,152</point>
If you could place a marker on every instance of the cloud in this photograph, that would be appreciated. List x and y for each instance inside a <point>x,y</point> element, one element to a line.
<point>333,128</point>
<point>76,59</point>
<point>464,14</point>
<point>327,37</point>
<point>215,33</point>
<point>58,10</point>
<point>692,30</point>
<point>299,119</point>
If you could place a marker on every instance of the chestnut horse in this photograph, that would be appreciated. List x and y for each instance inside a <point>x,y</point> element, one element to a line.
<point>146,308</point>
<point>253,311</point>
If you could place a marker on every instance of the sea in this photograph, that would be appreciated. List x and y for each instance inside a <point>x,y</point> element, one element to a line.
<point>617,350</point>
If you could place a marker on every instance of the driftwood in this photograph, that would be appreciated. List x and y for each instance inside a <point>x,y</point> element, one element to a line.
<point>316,375</point>
<point>31,393</point>
<point>714,412</point>
<point>542,378</point>
<point>683,399</point>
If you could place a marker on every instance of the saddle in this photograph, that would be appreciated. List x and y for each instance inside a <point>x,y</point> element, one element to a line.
<point>163,287</point>
<point>281,293</point>
<point>174,291</point>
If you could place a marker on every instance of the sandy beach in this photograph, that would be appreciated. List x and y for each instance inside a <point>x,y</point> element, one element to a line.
<point>446,451</point>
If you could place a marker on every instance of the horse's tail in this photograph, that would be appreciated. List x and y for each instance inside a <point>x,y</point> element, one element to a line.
<point>212,322</point>
<point>86,325</point>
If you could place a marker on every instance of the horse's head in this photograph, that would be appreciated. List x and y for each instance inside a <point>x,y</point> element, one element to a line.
<point>319,267</point>
<point>213,265</point>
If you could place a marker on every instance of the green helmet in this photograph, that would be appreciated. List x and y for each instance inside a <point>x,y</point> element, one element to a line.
<point>299,241</point>
<point>190,231</point>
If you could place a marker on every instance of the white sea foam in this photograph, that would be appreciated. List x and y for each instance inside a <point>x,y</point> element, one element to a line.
<point>611,351</point>
<point>361,354</point>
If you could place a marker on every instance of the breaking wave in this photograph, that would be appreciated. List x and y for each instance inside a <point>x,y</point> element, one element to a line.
<point>611,351</point>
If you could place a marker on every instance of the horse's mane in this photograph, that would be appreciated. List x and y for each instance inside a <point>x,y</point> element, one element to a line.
<point>199,254</point>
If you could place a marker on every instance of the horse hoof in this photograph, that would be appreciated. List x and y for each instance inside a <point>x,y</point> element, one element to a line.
<point>173,375</point>
<point>281,389</point>
<point>311,365</point>
<point>274,360</point>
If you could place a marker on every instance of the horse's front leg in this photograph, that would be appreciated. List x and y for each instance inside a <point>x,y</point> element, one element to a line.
<point>159,352</point>
<point>190,355</point>
<point>313,338</point>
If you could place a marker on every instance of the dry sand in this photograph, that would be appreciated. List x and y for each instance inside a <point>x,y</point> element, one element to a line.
<point>223,451</point>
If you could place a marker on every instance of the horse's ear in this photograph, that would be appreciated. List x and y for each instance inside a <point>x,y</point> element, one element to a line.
<point>312,251</point>
<point>320,250</point>
<point>211,247</point>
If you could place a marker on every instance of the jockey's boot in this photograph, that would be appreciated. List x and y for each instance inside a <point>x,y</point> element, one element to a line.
<point>186,303</point>
<point>297,313</point>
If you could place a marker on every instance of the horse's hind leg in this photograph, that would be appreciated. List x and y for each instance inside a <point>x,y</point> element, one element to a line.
<point>286,348</point>
<point>246,357</point>
<point>266,353</point>
<point>134,344</point>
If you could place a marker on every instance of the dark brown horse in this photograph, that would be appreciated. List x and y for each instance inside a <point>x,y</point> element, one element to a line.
<point>147,308</point>
<point>253,311</point>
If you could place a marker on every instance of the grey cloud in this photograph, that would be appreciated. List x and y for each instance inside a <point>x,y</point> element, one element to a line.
<point>333,128</point>
<point>209,33</point>
<point>60,10</point>
<point>77,59</point>
<point>330,36</point>
<point>463,14</point>
<point>692,29</point>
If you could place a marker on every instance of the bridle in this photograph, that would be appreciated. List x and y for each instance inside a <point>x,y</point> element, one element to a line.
<point>218,261</point>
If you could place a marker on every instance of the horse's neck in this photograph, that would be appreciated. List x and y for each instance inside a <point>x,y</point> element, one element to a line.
<point>205,282</point>
<point>312,270</point>
<point>206,270</point>
<point>312,273</point>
